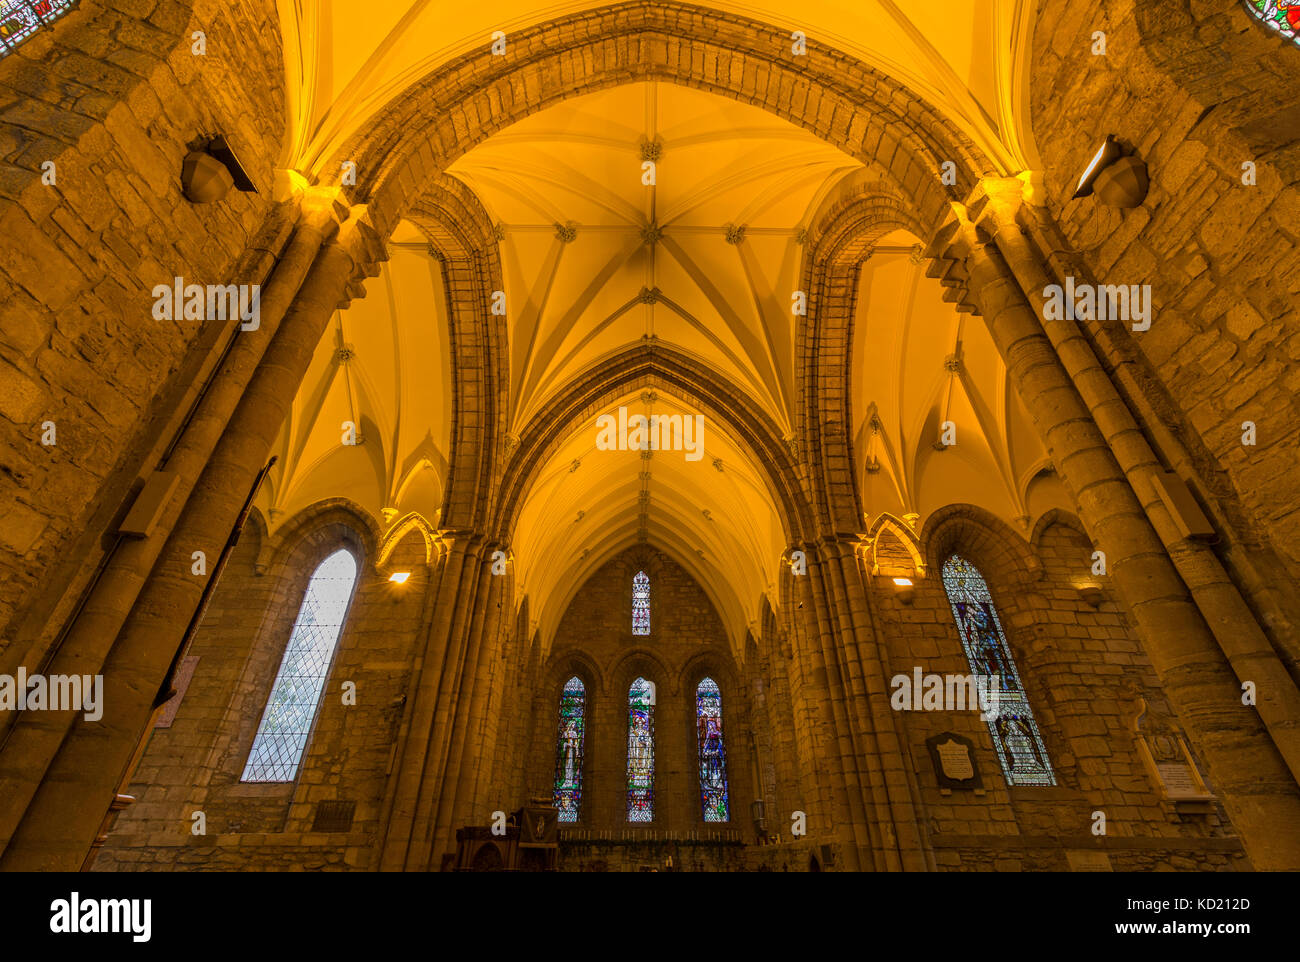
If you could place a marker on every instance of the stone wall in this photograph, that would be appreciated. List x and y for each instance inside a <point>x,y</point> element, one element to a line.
<point>115,97</point>
<point>1080,667</point>
<point>196,763</point>
<point>1194,88</point>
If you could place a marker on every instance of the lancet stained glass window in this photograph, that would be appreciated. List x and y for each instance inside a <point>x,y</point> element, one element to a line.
<point>713,754</point>
<point>1011,722</point>
<point>641,751</point>
<point>19,19</point>
<point>1282,15</point>
<point>295,696</point>
<point>641,604</point>
<point>568,750</point>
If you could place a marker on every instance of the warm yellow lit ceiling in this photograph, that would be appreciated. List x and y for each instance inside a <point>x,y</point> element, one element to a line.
<point>703,260</point>
<point>346,62</point>
<point>917,364</point>
<point>575,171</point>
<point>714,515</point>
<point>383,365</point>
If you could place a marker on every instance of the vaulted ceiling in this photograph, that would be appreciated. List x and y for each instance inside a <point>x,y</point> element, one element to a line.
<point>702,257</point>
<point>383,367</point>
<point>919,365</point>
<point>714,515</point>
<point>969,59</point>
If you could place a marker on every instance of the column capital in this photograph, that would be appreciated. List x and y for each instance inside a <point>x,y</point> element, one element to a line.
<point>995,203</point>
<point>322,209</point>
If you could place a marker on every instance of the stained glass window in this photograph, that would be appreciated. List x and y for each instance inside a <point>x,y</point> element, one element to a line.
<point>641,604</point>
<point>713,755</point>
<point>19,19</point>
<point>1282,15</point>
<point>641,751</point>
<point>295,696</point>
<point>1019,745</point>
<point>568,750</point>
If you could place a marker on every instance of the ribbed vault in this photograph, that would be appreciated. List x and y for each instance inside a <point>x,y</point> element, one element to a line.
<point>669,291</point>
<point>728,517</point>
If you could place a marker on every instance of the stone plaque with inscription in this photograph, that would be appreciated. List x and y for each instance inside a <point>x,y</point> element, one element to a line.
<point>1180,781</point>
<point>954,761</point>
<point>1163,750</point>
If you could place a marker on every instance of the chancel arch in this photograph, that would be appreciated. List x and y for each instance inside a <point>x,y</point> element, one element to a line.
<point>390,150</point>
<point>718,502</point>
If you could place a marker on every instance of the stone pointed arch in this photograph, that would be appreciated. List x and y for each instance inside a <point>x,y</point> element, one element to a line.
<point>1232,63</point>
<point>328,514</point>
<point>864,112</point>
<point>462,238</point>
<point>412,522</point>
<point>1000,552</point>
<point>842,236</point>
<point>898,530</point>
<point>652,365</point>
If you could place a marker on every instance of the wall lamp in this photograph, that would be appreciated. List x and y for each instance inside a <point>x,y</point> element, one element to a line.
<point>399,577</point>
<point>1091,595</point>
<point>1118,179</point>
<point>209,172</point>
<point>905,590</point>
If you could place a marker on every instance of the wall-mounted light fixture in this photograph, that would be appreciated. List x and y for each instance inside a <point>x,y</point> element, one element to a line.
<point>399,577</point>
<point>905,590</point>
<point>209,172</point>
<point>1092,595</point>
<point>1118,179</point>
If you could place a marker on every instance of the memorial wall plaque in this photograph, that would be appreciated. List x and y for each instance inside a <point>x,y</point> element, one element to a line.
<point>1163,750</point>
<point>954,761</point>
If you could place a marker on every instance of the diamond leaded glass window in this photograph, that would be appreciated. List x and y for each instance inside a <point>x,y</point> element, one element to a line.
<point>1282,15</point>
<point>641,604</point>
<point>568,751</point>
<point>19,19</point>
<point>641,751</point>
<point>1019,745</point>
<point>713,755</point>
<point>295,696</point>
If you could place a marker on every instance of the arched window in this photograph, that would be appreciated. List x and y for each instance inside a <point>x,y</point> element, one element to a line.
<point>568,750</point>
<point>19,19</point>
<point>641,751</point>
<point>1282,15</point>
<point>1019,746</point>
<point>713,754</point>
<point>641,604</point>
<point>295,696</point>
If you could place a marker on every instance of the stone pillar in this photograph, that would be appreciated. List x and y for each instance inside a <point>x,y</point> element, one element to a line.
<point>454,801</point>
<point>1257,788</point>
<point>35,737</point>
<point>492,715</point>
<point>414,748</point>
<point>841,811</point>
<point>62,820</point>
<point>896,788</point>
<point>995,207</point>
